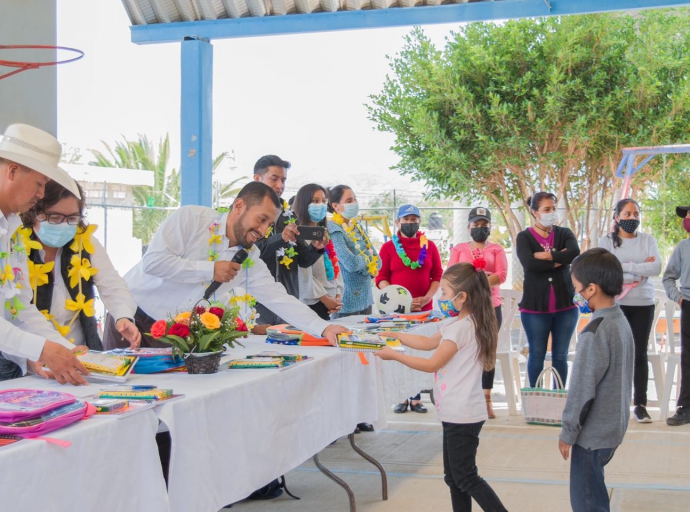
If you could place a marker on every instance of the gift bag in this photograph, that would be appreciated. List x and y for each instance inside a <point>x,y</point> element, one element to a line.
<point>543,406</point>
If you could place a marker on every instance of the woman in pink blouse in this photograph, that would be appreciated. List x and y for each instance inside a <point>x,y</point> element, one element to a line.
<point>479,226</point>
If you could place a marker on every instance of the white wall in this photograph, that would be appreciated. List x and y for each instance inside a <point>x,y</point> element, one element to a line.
<point>123,249</point>
<point>29,97</point>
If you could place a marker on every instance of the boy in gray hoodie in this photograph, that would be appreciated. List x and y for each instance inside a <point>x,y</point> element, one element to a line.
<point>597,410</point>
<point>678,269</point>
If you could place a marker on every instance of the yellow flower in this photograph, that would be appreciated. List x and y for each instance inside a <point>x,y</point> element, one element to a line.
<point>63,330</point>
<point>215,239</point>
<point>8,274</point>
<point>423,241</point>
<point>47,314</point>
<point>210,320</point>
<point>183,318</point>
<point>80,305</point>
<point>25,235</point>
<point>83,240</point>
<point>38,273</point>
<point>286,261</point>
<point>80,268</point>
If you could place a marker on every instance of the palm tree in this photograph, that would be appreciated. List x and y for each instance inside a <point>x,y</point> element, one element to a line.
<point>157,201</point>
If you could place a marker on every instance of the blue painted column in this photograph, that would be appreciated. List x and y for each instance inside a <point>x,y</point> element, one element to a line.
<point>196,122</point>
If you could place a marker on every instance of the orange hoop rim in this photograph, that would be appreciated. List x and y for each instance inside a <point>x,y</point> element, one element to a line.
<point>23,65</point>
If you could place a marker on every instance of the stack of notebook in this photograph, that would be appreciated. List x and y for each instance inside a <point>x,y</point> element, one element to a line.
<point>288,335</point>
<point>366,342</point>
<point>107,366</point>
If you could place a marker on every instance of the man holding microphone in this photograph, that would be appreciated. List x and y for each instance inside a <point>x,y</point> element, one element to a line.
<point>177,270</point>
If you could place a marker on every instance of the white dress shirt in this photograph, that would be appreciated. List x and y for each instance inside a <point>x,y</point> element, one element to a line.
<point>25,336</point>
<point>112,290</point>
<point>175,271</point>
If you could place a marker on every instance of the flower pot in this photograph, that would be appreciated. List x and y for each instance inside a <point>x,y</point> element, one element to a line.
<point>205,362</point>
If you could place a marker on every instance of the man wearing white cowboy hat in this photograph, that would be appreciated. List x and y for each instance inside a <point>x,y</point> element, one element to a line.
<point>28,160</point>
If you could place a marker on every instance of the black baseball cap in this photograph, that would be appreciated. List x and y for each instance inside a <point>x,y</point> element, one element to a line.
<point>479,213</point>
<point>682,211</point>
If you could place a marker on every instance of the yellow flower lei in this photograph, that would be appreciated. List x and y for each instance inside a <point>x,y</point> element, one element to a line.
<point>80,270</point>
<point>352,231</point>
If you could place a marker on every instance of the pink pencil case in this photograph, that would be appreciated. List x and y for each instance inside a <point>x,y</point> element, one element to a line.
<point>21,404</point>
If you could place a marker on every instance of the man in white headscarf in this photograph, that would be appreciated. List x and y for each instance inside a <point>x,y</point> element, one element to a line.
<point>28,160</point>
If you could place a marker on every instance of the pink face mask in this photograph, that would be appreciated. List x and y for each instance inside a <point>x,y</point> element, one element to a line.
<point>686,224</point>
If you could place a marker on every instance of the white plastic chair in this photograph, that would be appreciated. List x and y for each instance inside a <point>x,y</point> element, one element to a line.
<point>658,358</point>
<point>672,360</point>
<point>505,354</point>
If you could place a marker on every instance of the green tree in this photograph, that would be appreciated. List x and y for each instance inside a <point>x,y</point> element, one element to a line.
<point>538,104</point>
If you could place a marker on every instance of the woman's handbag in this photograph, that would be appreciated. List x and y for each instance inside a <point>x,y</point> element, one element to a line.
<point>542,406</point>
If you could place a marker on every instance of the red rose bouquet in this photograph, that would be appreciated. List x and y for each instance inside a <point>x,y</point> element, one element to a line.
<point>201,330</point>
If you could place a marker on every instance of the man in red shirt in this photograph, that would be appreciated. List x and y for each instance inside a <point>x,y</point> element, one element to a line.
<point>412,261</point>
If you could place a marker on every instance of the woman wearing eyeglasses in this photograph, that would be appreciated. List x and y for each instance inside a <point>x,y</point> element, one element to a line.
<point>66,262</point>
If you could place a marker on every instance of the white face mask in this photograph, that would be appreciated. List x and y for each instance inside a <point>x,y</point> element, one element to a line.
<point>548,219</point>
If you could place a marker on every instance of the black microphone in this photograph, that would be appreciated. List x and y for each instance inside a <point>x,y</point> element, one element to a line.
<point>237,258</point>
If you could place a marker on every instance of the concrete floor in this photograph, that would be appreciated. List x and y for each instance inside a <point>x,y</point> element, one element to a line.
<point>650,471</point>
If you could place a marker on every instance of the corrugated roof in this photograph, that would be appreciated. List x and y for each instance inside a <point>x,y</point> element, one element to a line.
<point>148,12</point>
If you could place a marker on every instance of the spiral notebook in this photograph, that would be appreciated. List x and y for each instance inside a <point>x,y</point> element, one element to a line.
<point>367,342</point>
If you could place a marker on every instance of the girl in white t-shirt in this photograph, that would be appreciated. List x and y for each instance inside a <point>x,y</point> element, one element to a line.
<point>463,349</point>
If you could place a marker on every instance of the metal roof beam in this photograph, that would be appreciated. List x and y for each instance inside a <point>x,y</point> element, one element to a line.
<point>379,18</point>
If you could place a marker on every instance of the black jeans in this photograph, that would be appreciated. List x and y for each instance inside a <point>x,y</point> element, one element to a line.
<point>460,442</point>
<point>684,398</point>
<point>640,319</point>
<point>488,377</point>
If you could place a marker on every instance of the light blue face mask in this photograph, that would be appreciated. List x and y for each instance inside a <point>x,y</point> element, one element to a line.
<point>56,235</point>
<point>448,308</point>
<point>582,303</point>
<point>317,211</point>
<point>350,210</point>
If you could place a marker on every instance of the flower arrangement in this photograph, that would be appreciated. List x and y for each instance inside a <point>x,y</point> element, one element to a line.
<point>201,330</point>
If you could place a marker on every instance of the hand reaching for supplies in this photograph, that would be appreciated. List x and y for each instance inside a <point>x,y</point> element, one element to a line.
<point>386,353</point>
<point>129,332</point>
<point>331,333</point>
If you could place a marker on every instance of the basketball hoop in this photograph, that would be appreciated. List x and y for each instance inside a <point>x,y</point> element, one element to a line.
<point>23,66</point>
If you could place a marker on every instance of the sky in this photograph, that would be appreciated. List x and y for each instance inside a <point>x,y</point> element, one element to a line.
<point>301,97</point>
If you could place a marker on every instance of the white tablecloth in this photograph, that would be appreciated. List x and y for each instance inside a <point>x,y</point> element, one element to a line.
<point>400,382</point>
<point>239,429</point>
<point>112,464</point>
<point>233,433</point>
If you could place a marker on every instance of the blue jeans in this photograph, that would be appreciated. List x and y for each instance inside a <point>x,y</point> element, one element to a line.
<point>538,326</point>
<point>460,442</point>
<point>588,491</point>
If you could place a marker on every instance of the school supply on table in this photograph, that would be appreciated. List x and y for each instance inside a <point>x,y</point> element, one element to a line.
<point>409,318</point>
<point>255,363</point>
<point>288,335</point>
<point>122,401</point>
<point>153,360</point>
<point>367,342</point>
<point>105,366</point>
<point>268,359</point>
<point>141,392</point>
<point>542,406</point>
<point>30,413</point>
<point>122,408</point>
<point>9,439</point>
<point>108,405</point>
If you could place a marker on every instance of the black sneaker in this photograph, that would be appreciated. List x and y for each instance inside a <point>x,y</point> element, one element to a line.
<point>641,415</point>
<point>682,417</point>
